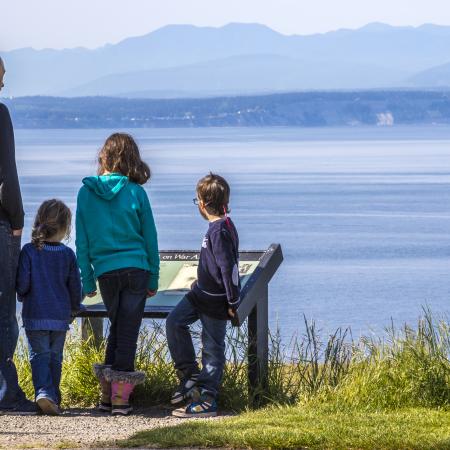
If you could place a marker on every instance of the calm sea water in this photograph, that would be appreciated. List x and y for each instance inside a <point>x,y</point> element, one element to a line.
<point>363,215</point>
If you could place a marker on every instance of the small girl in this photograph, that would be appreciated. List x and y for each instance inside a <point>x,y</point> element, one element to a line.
<point>117,245</point>
<point>48,284</point>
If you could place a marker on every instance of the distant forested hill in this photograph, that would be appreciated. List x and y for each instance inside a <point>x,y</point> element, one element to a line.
<point>309,109</point>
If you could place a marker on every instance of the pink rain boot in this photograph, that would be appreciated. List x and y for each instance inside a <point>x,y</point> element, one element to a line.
<point>105,387</point>
<point>122,385</point>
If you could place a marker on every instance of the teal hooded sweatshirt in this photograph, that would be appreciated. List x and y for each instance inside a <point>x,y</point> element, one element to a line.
<point>114,229</point>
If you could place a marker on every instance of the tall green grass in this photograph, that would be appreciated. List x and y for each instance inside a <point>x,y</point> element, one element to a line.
<point>407,367</point>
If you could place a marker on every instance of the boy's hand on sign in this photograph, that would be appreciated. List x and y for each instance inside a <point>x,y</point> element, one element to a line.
<point>17,233</point>
<point>91,294</point>
<point>231,312</point>
<point>151,293</point>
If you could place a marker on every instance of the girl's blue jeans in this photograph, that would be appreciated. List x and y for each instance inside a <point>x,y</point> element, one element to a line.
<point>46,355</point>
<point>182,349</point>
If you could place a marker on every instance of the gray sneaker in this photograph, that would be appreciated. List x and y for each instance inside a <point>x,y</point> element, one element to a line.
<point>48,406</point>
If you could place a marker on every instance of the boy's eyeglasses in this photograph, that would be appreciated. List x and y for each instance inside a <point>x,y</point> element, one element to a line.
<point>195,201</point>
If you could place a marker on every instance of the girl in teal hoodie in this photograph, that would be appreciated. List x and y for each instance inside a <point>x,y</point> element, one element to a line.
<point>117,245</point>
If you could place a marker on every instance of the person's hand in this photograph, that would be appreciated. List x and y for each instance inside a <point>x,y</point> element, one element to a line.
<point>91,294</point>
<point>17,233</point>
<point>231,313</point>
<point>151,293</point>
<point>75,312</point>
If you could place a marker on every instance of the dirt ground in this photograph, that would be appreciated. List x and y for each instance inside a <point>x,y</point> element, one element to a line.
<point>77,428</point>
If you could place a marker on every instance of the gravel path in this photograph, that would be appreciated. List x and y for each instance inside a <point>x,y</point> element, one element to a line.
<point>77,428</point>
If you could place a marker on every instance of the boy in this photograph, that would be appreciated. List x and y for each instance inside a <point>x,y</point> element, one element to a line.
<point>213,299</point>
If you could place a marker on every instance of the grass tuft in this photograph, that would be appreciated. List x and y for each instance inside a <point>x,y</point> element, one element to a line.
<point>408,368</point>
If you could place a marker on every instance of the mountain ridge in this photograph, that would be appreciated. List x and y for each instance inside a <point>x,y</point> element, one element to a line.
<point>435,77</point>
<point>394,51</point>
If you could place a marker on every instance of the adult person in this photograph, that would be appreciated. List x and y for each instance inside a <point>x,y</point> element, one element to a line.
<point>12,397</point>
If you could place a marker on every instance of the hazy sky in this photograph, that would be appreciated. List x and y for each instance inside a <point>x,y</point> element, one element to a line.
<point>92,23</point>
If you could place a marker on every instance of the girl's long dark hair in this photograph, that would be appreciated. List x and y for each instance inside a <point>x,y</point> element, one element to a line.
<point>120,153</point>
<point>53,216</point>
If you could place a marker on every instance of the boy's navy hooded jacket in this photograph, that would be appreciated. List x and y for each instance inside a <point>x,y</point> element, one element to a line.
<point>218,284</point>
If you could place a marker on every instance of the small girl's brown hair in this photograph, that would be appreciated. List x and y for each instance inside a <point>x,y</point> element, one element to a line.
<point>120,153</point>
<point>53,216</point>
<point>214,191</point>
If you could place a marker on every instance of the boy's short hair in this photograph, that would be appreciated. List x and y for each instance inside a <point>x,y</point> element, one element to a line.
<point>214,191</point>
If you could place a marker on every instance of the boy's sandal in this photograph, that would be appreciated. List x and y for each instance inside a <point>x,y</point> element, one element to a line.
<point>197,409</point>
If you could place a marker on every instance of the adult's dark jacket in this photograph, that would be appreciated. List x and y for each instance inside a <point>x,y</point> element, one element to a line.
<point>11,208</point>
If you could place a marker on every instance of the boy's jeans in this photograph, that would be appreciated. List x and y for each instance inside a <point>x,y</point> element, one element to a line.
<point>182,349</point>
<point>46,355</point>
<point>11,395</point>
<point>124,293</point>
